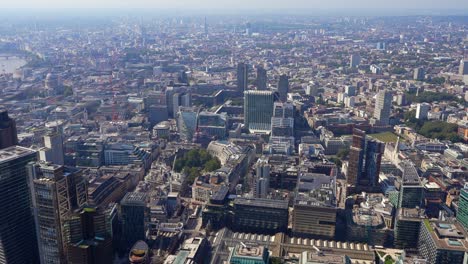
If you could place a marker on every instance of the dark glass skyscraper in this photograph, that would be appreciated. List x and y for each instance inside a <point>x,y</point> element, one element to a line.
<point>133,209</point>
<point>283,87</point>
<point>8,135</point>
<point>261,78</point>
<point>242,77</point>
<point>356,156</point>
<point>374,152</point>
<point>17,233</point>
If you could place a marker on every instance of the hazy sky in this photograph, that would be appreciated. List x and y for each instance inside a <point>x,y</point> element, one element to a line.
<point>238,4</point>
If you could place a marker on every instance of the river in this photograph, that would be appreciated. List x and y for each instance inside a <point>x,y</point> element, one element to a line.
<point>11,64</point>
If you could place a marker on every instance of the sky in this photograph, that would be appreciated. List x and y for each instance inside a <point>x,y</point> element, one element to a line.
<point>238,4</point>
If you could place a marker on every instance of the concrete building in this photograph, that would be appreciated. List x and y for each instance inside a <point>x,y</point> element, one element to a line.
<point>260,215</point>
<point>258,110</point>
<point>314,210</point>
<point>419,74</point>
<point>53,150</point>
<point>356,157</point>
<point>56,192</point>
<point>442,242</point>
<point>17,233</point>
<point>249,253</point>
<point>422,110</point>
<point>383,106</point>
<point>262,179</point>
<point>463,69</point>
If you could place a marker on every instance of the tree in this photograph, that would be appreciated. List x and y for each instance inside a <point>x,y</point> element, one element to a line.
<point>212,165</point>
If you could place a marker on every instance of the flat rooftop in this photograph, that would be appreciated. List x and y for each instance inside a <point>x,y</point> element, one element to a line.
<point>447,236</point>
<point>259,202</point>
<point>14,152</point>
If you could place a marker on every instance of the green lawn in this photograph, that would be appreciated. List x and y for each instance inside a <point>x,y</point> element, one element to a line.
<point>385,137</point>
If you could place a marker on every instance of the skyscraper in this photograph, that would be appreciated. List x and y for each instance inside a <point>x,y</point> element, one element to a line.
<point>419,74</point>
<point>463,69</point>
<point>261,78</point>
<point>374,152</point>
<point>383,106</point>
<point>187,122</point>
<point>17,234</point>
<point>242,77</point>
<point>56,192</point>
<point>8,136</point>
<point>283,87</point>
<point>411,189</point>
<point>262,179</point>
<point>356,156</point>
<point>355,60</point>
<point>422,111</point>
<point>88,237</point>
<point>53,150</point>
<point>258,110</point>
<point>133,210</point>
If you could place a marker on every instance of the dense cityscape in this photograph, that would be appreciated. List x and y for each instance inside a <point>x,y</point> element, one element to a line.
<point>178,138</point>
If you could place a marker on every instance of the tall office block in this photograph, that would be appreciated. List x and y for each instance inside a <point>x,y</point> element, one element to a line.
<point>87,234</point>
<point>350,90</point>
<point>261,78</point>
<point>462,214</point>
<point>356,156</point>
<point>242,77</point>
<point>283,87</point>
<point>53,150</point>
<point>407,226</point>
<point>56,192</point>
<point>8,134</point>
<point>262,179</point>
<point>443,242</point>
<point>258,110</point>
<point>383,106</point>
<point>355,60</point>
<point>411,189</point>
<point>282,122</point>
<point>374,152</point>
<point>17,233</point>
<point>422,110</point>
<point>463,70</point>
<point>419,74</point>
<point>133,210</point>
<point>157,114</point>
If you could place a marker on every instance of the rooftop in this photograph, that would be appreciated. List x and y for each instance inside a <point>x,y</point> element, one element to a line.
<point>259,202</point>
<point>14,152</point>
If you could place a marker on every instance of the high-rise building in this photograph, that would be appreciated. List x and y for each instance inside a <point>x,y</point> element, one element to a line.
<point>212,125</point>
<point>157,114</point>
<point>442,242</point>
<point>133,209</point>
<point>282,122</point>
<point>88,236</point>
<point>283,87</point>
<point>258,110</point>
<point>261,78</point>
<point>463,70</point>
<point>53,150</point>
<point>411,189</point>
<point>262,179</point>
<point>422,110</point>
<point>56,192</point>
<point>419,74</point>
<point>242,77</point>
<point>17,233</point>
<point>356,156</point>
<point>355,60</point>
<point>383,106</point>
<point>374,152</point>
<point>350,90</point>
<point>462,214</point>
<point>8,135</point>
<point>407,226</point>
